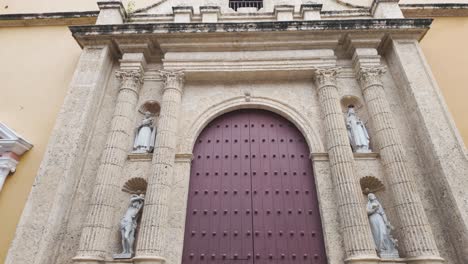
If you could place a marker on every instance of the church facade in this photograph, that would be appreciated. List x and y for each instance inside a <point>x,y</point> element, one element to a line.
<point>250,132</point>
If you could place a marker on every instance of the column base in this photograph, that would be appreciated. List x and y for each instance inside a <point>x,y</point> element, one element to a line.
<point>149,260</point>
<point>363,260</point>
<point>88,260</point>
<point>425,260</point>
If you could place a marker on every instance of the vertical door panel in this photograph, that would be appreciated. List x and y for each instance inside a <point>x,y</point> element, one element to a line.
<point>252,196</point>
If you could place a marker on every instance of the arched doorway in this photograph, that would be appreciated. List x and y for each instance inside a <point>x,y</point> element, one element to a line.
<point>252,196</point>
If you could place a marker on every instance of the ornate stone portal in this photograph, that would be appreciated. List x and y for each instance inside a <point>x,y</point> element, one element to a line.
<point>198,71</point>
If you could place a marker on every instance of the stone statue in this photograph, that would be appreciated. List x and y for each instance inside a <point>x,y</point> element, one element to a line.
<point>381,228</point>
<point>128,226</point>
<point>357,132</point>
<point>145,135</point>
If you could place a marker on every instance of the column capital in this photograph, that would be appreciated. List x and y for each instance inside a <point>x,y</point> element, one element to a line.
<point>173,79</point>
<point>326,76</point>
<point>368,76</point>
<point>130,79</point>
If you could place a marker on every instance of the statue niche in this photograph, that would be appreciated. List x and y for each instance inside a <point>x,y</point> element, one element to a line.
<point>145,135</point>
<point>357,132</point>
<point>381,228</point>
<point>129,222</point>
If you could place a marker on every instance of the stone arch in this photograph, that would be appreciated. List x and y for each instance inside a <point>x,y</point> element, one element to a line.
<point>298,119</point>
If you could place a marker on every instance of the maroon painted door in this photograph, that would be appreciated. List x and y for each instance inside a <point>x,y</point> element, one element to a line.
<point>252,196</point>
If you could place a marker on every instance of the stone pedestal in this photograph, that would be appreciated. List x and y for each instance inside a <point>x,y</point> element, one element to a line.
<point>359,246</point>
<point>103,205</point>
<point>154,224</point>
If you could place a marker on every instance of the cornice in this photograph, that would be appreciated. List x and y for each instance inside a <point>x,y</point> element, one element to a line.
<point>434,10</point>
<point>165,37</point>
<point>49,19</point>
<point>283,26</point>
<point>10,141</point>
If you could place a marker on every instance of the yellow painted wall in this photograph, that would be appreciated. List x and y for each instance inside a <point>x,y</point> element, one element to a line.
<point>36,66</point>
<point>446,49</point>
<point>43,6</point>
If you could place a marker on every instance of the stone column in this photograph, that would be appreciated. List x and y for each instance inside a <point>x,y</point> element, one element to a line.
<point>96,231</point>
<point>359,246</point>
<point>152,238</point>
<point>417,238</point>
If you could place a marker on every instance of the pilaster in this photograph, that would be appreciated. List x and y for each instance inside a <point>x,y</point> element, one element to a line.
<point>359,247</point>
<point>439,143</point>
<point>95,234</point>
<point>386,9</point>
<point>111,12</point>
<point>182,14</point>
<point>210,14</point>
<point>44,219</point>
<point>417,238</point>
<point>152,240</point>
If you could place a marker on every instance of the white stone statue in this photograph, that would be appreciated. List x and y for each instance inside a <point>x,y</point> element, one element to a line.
<point>357,132</point>
<point>145,135</point>
<point>128,226</point>
<point>381,228</point>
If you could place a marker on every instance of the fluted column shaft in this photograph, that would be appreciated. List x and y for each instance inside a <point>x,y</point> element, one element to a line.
<point>100,219</point>
<point>353,218</point>
<point>417,237</point>
<point>152,238</point>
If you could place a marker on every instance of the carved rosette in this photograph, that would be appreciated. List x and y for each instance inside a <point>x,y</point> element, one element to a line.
<point>326,76</point>
<point>173,79</point>
<point>369,76</point>
<point>130,79</point>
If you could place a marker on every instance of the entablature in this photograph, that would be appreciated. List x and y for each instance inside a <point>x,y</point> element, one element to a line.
<point>248,47</point>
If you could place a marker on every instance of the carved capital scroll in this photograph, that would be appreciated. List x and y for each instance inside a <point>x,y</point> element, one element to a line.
<point>173,79</point>
<point>369,76</point>
<point>130,79</point>
<point>326,76</point>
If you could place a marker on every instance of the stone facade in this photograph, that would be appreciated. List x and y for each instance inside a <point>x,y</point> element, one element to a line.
<point>273,59</point>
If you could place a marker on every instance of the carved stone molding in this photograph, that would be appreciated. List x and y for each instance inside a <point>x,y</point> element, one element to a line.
<point>368,76</point>
<point>173,79</point>
<point>12,146</point>
<point>326,76</point>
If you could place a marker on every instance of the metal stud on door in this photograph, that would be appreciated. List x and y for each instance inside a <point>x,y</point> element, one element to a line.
<point>252,195</point>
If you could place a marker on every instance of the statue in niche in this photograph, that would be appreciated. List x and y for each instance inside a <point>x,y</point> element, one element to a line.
<point>381,228</point>
<point>145,135</point>
<point>357,132</point>
<point>128,226</point>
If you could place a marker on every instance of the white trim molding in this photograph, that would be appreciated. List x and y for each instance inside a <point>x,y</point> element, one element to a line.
<point>12,146</point>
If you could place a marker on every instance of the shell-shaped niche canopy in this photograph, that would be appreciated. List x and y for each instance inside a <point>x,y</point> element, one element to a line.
<point>151,106</point>
<point>135,186</point>
<point>371,184</point>
<point>350,101</point>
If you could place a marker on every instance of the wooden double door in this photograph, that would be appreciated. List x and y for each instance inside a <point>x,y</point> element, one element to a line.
<point>252,196</point>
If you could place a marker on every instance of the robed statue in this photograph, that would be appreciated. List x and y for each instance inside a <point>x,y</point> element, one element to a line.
<point>357,132</point>
<point>381,228</point>
<point>145,135</point>
<point>128,226</point>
